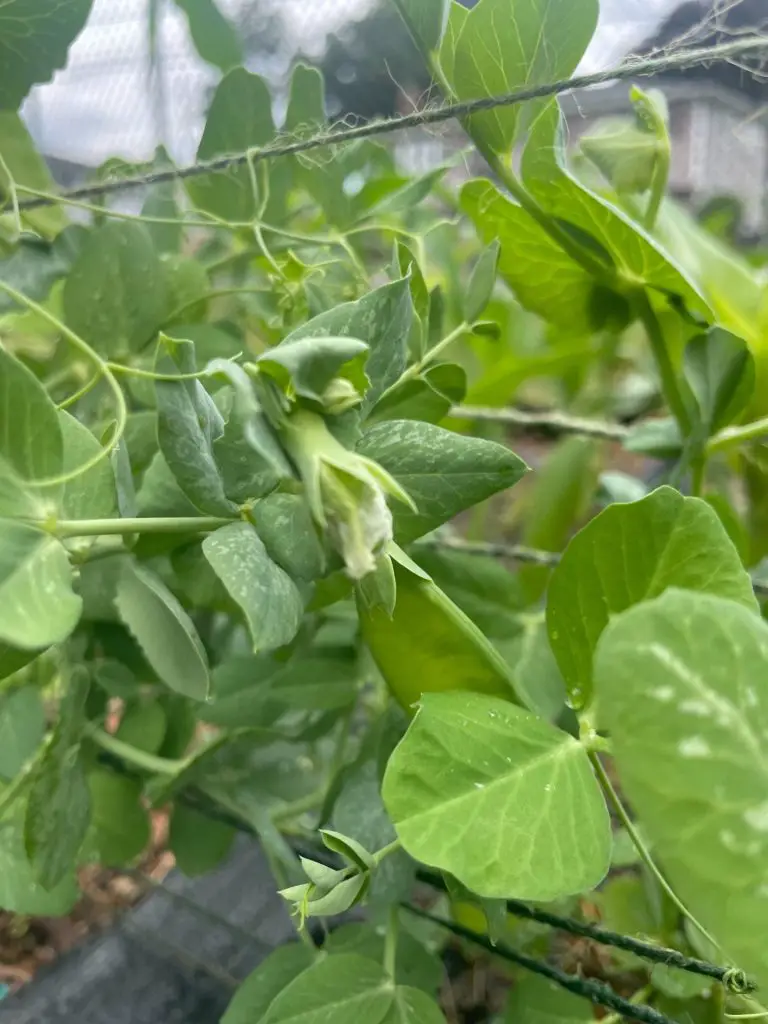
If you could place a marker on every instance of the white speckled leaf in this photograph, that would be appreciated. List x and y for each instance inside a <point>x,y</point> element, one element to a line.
<point>268,596</point>
<point>444,473</point>
<point>682,683</point>
<point>502,800</point>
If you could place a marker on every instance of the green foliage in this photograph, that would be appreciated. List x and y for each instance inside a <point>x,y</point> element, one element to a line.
<point>236,496</point>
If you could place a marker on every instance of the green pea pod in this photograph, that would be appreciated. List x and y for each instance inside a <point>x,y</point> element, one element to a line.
<point>429,645</point>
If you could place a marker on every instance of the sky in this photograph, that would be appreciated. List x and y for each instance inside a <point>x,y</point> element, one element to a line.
<point>100,104</point>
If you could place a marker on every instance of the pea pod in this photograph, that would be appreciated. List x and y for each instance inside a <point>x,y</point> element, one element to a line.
<point>429,645</point>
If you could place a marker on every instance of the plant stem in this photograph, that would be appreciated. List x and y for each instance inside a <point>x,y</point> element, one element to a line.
<point>669,382</point>
<point>390,941</point>
<point>642,849</point>
<point>112,527</point>
<point>134,756</point>
<point>385,851</point>
<point>215,293</point>
<point>663,159</point>
<point>436,350</point>
<point>298,807</point>
<point>732,437</point>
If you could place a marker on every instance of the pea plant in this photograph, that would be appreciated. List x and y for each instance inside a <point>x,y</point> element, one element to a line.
<point>234,445</point>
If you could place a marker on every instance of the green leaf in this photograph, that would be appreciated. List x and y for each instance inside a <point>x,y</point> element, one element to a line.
<point>500,48</point>
<point>415,966</point>
<point>39,605</point>
<point>482,282</point>
<point>284,523</point>
<point>535,1000</point>
<point>412,1006</point>
<point>143,726</point>
<point>426,20</point>
<point>720,371</point>
<point>682,691</point>
<point>34,265</point>
<point>262,986</point>
<point>382,319</point>
<point>36,35</point>
<point>430,645</point>
<point>306,366</point>
<point>58,809</point>
<point>115,296</point>
<point>214,36</point>
<point>498,798</point>
<point>427,397</point>
<point>119,829</point>
<point>31,446</point>
<point>198,843</point>
<point>630,553</point>
<point>543,277</point>
<point>20,892</point>
<point>12,659</point>
<point>91,495</point>
<point>538,679</point>
<point>22,727</point>
<point>161,202</point>
<point>444,473</point>
<point>163,630</point>
<point>637,256</point>
<point>26,167</point>
<point>270,601</point>
<point>188,423</point>
<point>240,117</point>
<point>346,989</point>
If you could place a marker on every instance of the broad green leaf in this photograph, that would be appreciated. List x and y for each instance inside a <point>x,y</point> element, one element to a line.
<point>318,681</point>
<point>637,256</point>
<point>284,523</point>
<point>242,693</point>
<point>538,679</point>
<point>682,684</point>
<point>544,278</point>
<point>188,423</point>
<point>91,495</point>
<point>22,727</point>
<point>259,990</point>
<point>628,554</point>
<point>412,1006</point>
<point>382,319</point>
<point>20,892</point>
<point>39,605</point>
<point>444,473</point>
<point>31,446</point>
<point>428,397</point>
<point>143,726</point>
<point>26,167</point>
<point>36,35</point>
<point>239,118</point>
<point>430,645</point>
<point>161,203</point>
<point>346,989</point>
<point>248,454</point>
<point>500,48</point>
<point>163,630</point>
<point>720,371</point>
<point>306,366</point>
<point>535,1000</point>
<point>119,829</point>
<point>414,965</point>
<point>406,264</point>
<point>198,843</point>
<point>115,295</point>
<point>214,36</point>
<point>59,806</point>
<point>187,284</point>
<point>498,798</point>
<point>481,282</point>
<point>269,598</point>
<point>426,20</point>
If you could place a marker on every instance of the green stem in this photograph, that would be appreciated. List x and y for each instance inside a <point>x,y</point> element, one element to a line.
<point>215,293</point>
<point>642,849</point>
<point>296,808</point>
<point>385,851</point>
<point>390,941</point>
<point>661,169</point>
<point>112,527</point>
<point>669,382</point>
<point>732,437</point>
<point>138,758</point>
<point>434,352</point>
<point>103,367</point>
